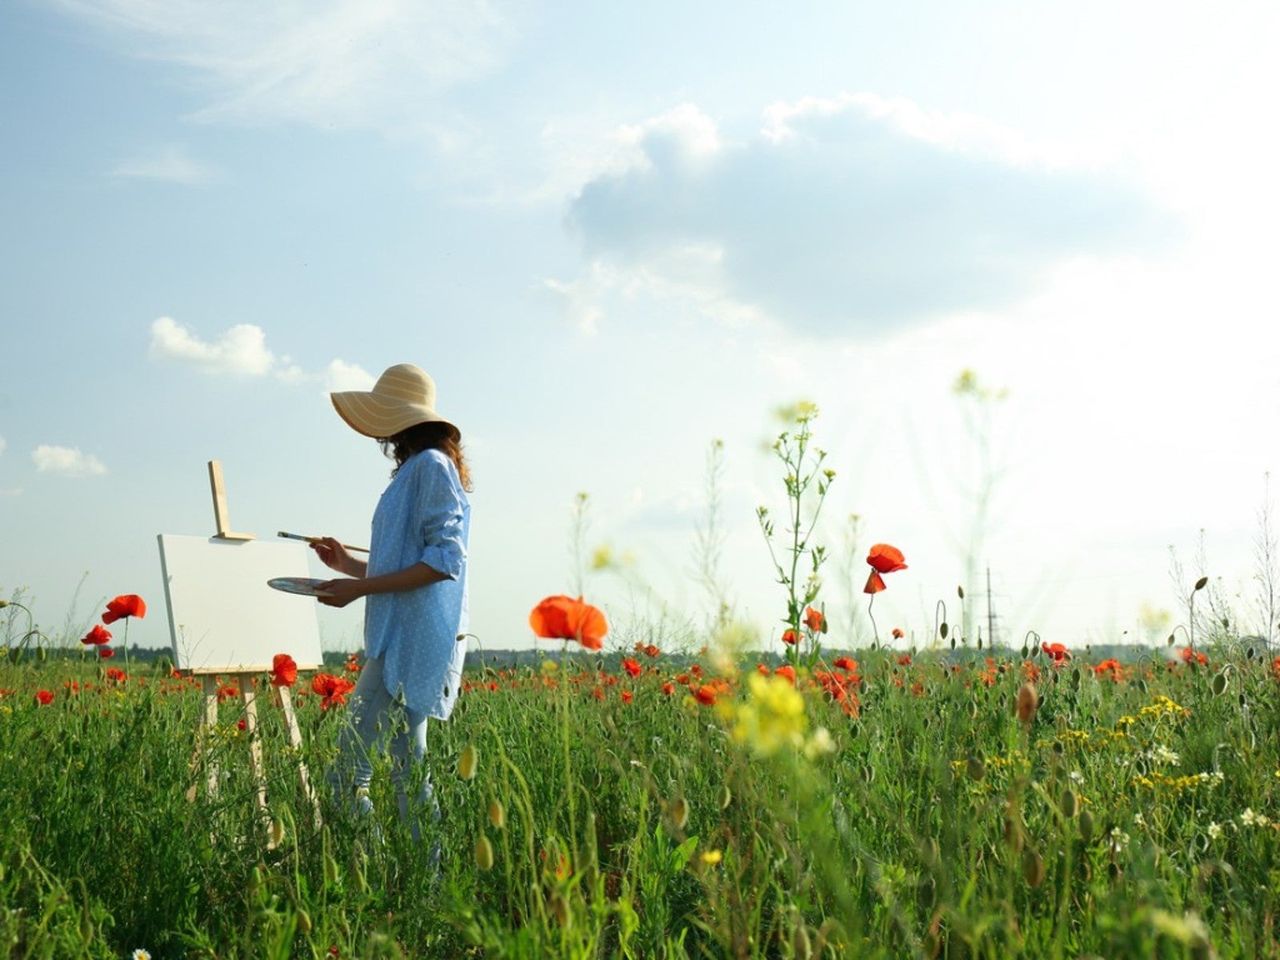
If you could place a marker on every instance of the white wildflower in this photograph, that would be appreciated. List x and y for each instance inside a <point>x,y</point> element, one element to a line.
<point>1215,830</point>
<point>140,954</point>
<point>1076,777</point>
<point>1138,821</point>
<point>1162,754</point>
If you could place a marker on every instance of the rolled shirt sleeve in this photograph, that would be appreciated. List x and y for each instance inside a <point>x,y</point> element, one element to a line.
<point>441,503</point>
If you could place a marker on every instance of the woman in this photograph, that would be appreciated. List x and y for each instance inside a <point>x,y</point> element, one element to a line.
<point>415,582</point>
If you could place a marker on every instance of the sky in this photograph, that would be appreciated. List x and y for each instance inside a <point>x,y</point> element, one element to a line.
<point>614,234</point>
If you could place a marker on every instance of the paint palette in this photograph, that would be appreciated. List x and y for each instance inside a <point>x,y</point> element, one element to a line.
<point>302,586</point>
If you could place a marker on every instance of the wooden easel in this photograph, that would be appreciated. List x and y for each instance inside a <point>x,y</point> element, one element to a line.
<point>209,685</point>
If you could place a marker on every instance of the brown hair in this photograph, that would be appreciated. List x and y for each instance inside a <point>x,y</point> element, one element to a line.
<point>432,435</point>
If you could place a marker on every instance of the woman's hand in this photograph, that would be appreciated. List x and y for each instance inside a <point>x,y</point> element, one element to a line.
<point>335,556</point>
<point>338,593</point>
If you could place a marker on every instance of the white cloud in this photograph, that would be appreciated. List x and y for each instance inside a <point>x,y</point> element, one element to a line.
<point>842,216</point>
<point>242,349</point>
<point>170,164</point>
<point>327,63</point>
<point>341,375</point>
<point>66,461</point>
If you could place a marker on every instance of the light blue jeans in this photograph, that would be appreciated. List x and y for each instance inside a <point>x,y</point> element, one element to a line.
<point>375,721</point>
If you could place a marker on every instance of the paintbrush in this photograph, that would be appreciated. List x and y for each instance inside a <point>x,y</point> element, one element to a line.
<point>298,536</point>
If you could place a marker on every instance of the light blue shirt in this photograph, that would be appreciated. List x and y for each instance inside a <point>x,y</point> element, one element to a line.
<point>423,517</point>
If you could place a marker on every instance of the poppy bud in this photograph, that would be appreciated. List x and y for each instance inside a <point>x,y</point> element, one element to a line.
<point>277,831</point>
<point>484,853</point>
<point>497,814</point>
<point>1201,584</point>
<point>725,797</point>
<point>679,813</point>
<point>1032,867</point>
<point>1219,684</point>
<point>1070,803</point>
<point>976,769</point>
<point>304,922</point>
<point>1086,826</point>
<point>468,762</point>
<point>1028,701</point>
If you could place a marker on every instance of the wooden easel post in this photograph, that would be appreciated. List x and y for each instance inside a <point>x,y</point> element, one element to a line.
<point>209,685</point>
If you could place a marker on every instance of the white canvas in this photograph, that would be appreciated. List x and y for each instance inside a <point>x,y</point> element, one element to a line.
<point>223,617</point>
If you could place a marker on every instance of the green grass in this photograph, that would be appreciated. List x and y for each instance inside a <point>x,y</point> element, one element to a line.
<point>939,826</point>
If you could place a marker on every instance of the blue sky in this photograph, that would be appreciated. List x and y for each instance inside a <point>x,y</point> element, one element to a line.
<point>613,233</point>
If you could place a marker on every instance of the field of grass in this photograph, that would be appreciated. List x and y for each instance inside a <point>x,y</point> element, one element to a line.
<point>667,807</point>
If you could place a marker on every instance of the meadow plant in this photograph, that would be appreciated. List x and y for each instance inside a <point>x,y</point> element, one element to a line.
<point>806,483</point>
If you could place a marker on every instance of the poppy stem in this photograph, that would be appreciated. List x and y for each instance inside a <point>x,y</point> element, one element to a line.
<point>874,631</point>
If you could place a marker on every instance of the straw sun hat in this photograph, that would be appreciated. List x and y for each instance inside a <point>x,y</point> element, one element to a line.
<point>403,396</point>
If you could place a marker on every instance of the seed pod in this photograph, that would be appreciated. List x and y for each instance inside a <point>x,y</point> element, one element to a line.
<point>497,814</point>
<point>1086,826</point>
<point>1201,584</point>
<point>1070,803</point>
<point>1219,684</point>
<point>484,853</point>
<point>1027,702</point>
<point>1013,831</point>
<point>942,630</point>
<point>1032,867</point>
<point>468,762</point>
<point>678,813</point>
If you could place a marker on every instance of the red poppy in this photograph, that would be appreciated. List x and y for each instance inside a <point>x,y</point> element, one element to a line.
<point>105,653</point>
<point>668,688</point>
<point>682,679</point>
<point>815,620</point>
<point>886,559</point>
<point>564,618</point>
<point>706,695</point>
<point>627,696</point>
<point>696,669</point>
<point>241,724</point>
<point>883,559</point>
<point>651,651</point>
<point>897,633</point>
<point>787,671</point>
<point>284,671</point>
<point>632,667</point>
<point>1193,656</point>
<point>1110,667</point>
<point>353,663</point>
<point>790,637</point>
<point>44,697</point>
<point>846,663</point>
<point>116,674</point>
<point>97,636</point>
<point>1058,653</point>
<point>762,669</point>
<point>333,689</point>
<point>904,660</point>
<point>128,605</point>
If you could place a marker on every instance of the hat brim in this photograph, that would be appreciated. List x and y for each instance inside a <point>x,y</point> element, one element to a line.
<point>371,415</point>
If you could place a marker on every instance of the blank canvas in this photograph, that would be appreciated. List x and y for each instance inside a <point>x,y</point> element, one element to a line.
<point>223,617</point>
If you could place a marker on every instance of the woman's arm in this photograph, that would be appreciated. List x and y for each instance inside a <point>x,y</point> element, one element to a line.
<point>338,593</point>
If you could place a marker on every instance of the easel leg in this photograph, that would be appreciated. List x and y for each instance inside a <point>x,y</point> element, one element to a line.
<point>295,741</point>
<point>255,752</point>
<point>210,686</point>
